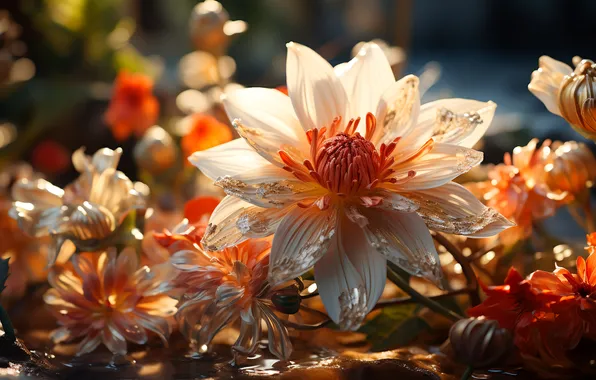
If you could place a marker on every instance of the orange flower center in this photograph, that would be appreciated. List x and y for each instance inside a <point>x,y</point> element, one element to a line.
<point>344,162</point>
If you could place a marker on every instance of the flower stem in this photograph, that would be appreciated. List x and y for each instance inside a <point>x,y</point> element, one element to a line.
<point>465,266</point>
<point>589,217</point>
<point>421,299</point>
<point>467,373</point>
<point>7,325</point>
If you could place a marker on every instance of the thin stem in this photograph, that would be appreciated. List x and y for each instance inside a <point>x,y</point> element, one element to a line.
<point>7,325</point>
<point>481,252</point>
<point>467,373</point>
<point>577,217</point>
<point>417,297</point>
<point>405,300</point>
<point>465,266</point>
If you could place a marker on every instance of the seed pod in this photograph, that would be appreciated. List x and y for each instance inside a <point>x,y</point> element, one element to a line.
<point>479,342</point>
<point>287,300</point>
<point>211,28</point>
<point>577,98</point>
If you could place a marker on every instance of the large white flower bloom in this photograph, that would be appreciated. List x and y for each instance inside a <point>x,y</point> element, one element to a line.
<point>349,171</point>
<point>86,211</point>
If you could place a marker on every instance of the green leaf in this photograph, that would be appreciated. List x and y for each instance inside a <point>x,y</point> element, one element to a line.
<point>394,326</point>
<point>3,273</point>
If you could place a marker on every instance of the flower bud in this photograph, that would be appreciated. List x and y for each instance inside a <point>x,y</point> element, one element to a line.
<point>479,342</point>
<point>570,168</point>
<point>577,98</point>
<point>211,28</point>
<point>156,151</point>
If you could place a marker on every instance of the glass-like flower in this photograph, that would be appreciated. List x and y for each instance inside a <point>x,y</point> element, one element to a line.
<point>133,107</point>
<point>351,172</point>
<point>568,93</point>
<point>516,189</point>
<point>86,212</point>
<point>229,287</point>
<point>108,298</point>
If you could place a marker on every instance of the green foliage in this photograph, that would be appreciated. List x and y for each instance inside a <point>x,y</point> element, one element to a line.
<point>395,326</point>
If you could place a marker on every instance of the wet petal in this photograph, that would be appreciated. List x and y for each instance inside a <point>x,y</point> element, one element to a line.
<point>435,168</point>
<point>235,220</point>
<point>457,121</point>
<point>341,288</point>
<point>451,208</point>
<point>113,340</point>
<point>316,92</point>
<point>365,78</point>
<point>404,239</point>
<point>397,110</point>
<point>301,240</point>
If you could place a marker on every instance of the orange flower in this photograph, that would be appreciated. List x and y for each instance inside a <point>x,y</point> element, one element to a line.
<point>282,89</point>
<point>50,157</point>
<point>204,132</point>
<point>133,107</point>
<point>575,308</point>
<point>199,209</point>
<point>230,287</point>
<point>515,189</point>
<point>108,298</point>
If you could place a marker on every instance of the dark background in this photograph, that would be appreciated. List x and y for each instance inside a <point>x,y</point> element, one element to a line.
<point>487,50</point>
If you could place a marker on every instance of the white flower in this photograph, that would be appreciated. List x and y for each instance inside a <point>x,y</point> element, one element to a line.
<point>546,81</point>
<point>85,212</point>
<point>346,195</point>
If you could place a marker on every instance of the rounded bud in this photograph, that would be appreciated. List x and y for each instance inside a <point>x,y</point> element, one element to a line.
<point>156,151</point>
<point>287,300</point>
<point>479,342</point>
<point>577,98</point>
<point>211,28</point>
<point>570,170</point>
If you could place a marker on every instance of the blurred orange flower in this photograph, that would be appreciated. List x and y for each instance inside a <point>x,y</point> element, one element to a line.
<point>204,132</point>
<point>515,189</point>
<point>133,107</point>
<point>109,299</point>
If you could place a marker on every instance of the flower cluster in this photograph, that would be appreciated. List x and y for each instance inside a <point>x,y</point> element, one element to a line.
<point>349,171</point>
<point>534,181</point>
<point>547,312</point>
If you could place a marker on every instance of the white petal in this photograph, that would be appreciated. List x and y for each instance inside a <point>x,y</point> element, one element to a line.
<point>435,168</point>
<point>369,263</point>
<point>39,192</point>
<point>451,208</point>
<point>397,110</point>
<point>341,288</point>
<point>235,220</point>
<point>279,340</point>
<point>404,239</point>
<point>316,93</point>
<point>300,241</point>
<point>546,81</point>
<point>365,78</point>
<point>230,158</point>
<point>266,119</point>
<point>268,186</point>
<point>457,121</point>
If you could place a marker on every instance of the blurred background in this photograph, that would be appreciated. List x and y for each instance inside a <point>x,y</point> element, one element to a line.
<point>59,60</point>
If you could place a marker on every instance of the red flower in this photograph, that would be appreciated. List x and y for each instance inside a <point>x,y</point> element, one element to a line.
<point>133,107</point>
<point>50,157</point>
<point>516,305</point>
<point>199,209</point>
